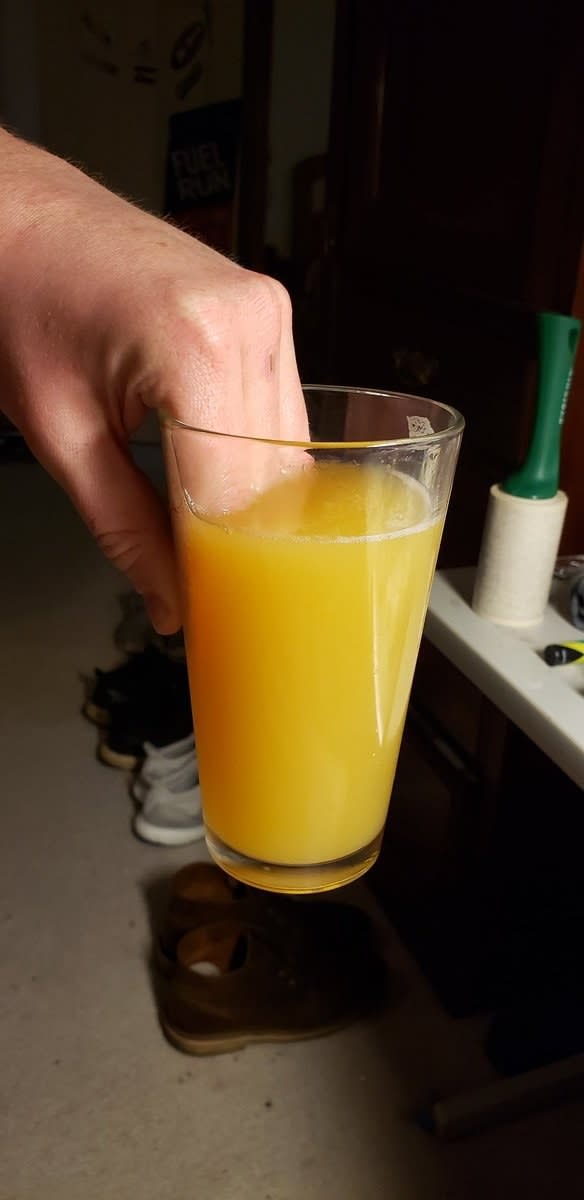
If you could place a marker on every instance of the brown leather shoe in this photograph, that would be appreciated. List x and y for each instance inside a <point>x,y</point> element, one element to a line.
<point>199,893</point>
<point>202,893</point>
<point>233,984</point>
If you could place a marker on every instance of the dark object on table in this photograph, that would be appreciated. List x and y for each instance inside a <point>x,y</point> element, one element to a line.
<point>577,602</point>
<point>560,654</point>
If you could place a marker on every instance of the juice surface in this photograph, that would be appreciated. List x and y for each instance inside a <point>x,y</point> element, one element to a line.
<point>303,615</point>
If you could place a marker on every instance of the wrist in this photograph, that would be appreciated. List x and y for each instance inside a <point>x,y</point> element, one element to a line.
<point>35,186</point>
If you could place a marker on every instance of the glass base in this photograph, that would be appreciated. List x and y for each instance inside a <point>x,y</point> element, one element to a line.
<point>295,880</point>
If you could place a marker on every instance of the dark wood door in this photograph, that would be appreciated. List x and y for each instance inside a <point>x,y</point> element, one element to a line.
<point>455,206</point>
<point>455,213</point>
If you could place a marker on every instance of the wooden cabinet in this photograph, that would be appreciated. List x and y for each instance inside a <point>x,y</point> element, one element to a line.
<point>454,213</point>
<point>455,206</point>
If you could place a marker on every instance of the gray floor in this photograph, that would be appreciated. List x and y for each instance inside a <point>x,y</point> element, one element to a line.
<point>93,1101</point>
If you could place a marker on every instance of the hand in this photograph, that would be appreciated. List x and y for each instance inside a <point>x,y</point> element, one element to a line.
<point>106,312</point>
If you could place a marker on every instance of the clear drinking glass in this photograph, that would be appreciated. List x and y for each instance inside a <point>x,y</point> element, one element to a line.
<point>305,571</point>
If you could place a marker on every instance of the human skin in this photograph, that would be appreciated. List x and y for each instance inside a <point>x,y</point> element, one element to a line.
<point>106,312</point>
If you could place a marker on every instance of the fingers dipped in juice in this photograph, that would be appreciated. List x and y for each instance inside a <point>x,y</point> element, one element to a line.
<point>303,613</point>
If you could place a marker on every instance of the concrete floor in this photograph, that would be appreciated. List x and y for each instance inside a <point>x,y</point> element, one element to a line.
<point>93,1102</point>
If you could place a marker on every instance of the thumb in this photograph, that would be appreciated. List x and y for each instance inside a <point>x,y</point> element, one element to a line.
<point>128,520</point>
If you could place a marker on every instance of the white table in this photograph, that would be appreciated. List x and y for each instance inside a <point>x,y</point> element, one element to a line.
<point>507,665</point>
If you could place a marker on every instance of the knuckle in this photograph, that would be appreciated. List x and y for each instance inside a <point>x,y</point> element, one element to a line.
<point>267,301</point>
<point>203,319</point>
<point>121,546</point>
<point>283,300</point>
<point>213,332</point>
<point>212,320</point>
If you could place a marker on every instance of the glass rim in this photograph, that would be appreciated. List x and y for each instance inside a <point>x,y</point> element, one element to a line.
<point>424,439</point>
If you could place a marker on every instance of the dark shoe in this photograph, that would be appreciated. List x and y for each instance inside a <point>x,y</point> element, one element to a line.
<point>233,984</point>
<point>135,631</point>
<point>202,893</point>
<point>161,715</point>
<point>127,683</point>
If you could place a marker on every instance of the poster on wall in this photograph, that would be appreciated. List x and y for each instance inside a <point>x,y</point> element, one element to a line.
<point>202,172</point>
<point>115,79</point>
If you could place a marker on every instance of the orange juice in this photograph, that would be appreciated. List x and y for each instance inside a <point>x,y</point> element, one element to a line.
<point>303,616</point>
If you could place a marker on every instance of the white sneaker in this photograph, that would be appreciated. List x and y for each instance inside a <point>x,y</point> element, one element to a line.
<point>172,752</point>
<point>164,764</point>
<point>170,818</point>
